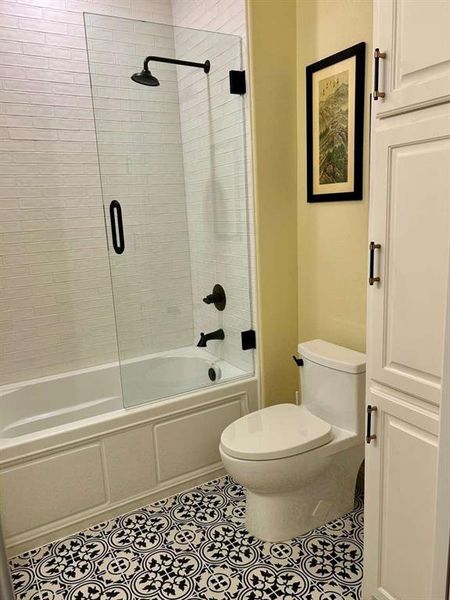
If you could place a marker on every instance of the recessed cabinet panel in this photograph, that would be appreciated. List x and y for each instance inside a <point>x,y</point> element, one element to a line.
<point>400,500</point>
<point>407,508</point>
<point>418,225</point>
<point>416,50</point>
<point>415,35</point>
<point>410,217</point>
<point>47,490</point>
<point>130,462</point>
<point>191,442</point>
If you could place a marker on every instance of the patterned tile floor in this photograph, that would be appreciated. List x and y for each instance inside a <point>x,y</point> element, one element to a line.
<point>194,546</point>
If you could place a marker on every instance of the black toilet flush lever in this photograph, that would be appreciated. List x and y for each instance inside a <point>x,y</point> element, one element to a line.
<point>218,297</point>
<point>298,361</point>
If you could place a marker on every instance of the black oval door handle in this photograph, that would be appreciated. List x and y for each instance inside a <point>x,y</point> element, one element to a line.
<point>118,239</point>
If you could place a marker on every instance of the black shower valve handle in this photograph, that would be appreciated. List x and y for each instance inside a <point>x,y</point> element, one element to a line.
<point>211,298</point>
<point>218,297</point>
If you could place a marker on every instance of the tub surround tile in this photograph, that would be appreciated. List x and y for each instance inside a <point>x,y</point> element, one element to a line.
<point>194,546</point>
<point>57,294</point>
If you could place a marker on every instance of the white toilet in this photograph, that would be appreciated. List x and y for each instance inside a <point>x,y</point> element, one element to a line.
<point>299,463</point>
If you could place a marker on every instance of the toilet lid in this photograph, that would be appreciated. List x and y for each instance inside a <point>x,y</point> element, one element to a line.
<point>275,432</point>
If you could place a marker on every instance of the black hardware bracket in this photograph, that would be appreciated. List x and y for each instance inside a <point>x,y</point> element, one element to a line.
<point>237,82</point>
<point>248,339</point>
<point>298,361</point>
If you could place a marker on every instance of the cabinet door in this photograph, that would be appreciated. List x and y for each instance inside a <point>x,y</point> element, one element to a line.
<point>415,34</point>
<point>410,189</point>
<point>400,498</point>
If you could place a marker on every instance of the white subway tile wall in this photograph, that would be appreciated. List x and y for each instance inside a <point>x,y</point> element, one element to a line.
<point>56,305</point>
<point>212,128</point>
<point>219,191</point>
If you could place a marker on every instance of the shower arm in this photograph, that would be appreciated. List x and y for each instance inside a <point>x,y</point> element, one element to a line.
<point>175,61</point>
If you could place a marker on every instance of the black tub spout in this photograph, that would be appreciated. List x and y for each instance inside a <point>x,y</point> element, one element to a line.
<point>206,337</point>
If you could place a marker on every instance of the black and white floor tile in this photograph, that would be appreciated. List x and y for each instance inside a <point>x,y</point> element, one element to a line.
<point>194,546</point>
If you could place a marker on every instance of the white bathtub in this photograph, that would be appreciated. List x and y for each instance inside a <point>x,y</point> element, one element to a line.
<point>72,456</point>
<point>48,402</point>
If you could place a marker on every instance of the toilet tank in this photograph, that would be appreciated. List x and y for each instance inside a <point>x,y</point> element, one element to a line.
<point>333,383</point>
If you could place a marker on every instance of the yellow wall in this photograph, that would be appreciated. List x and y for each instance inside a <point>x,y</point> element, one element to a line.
<point>311,258</point>
<point>332,237</point>
<point>272,47</point>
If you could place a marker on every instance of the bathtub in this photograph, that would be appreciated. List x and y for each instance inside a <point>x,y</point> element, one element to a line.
<point>72,456</point>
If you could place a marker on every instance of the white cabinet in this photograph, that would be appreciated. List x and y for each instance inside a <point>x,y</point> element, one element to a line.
<point>401,494</point>
<point>409,218</point>
<point>410,226</point>
<point>415,35</point>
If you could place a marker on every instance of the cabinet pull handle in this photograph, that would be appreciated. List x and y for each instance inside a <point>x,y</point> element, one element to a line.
<point>369,435</point>
<point>377,55</point>
<point>372,248</point>
<point>118,239</point>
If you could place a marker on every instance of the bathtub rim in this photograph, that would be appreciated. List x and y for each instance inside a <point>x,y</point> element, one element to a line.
<point>174,353</point>
<point>117,387</point>
<point>17,449</point>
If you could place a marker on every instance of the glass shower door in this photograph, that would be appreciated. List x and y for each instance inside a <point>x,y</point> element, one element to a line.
<point>171,149</point>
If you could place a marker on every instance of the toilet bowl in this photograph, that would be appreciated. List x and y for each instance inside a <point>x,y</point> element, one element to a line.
<point>299,463</point>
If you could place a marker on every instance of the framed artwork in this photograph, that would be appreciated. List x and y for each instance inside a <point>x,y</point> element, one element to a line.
<point>335,126</point>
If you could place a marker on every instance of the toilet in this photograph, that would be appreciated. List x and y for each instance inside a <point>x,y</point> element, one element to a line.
<point>299,463</point>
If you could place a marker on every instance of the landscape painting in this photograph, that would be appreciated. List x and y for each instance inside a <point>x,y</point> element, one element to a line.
<point>333,128</point>
<point>335,124</point>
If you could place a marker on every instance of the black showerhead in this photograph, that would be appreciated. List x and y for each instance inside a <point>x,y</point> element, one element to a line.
<point>145,78</point>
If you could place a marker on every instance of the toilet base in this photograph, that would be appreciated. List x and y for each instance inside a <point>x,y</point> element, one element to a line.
<point>282,516</point>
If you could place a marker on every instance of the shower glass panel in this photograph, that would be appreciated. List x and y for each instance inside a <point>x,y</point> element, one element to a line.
<point>171,146</point>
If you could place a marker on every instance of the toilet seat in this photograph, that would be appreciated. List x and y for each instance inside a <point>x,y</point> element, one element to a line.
<point>275,432</point>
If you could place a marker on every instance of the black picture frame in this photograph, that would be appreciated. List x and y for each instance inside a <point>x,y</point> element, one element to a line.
<point>359,52</point>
